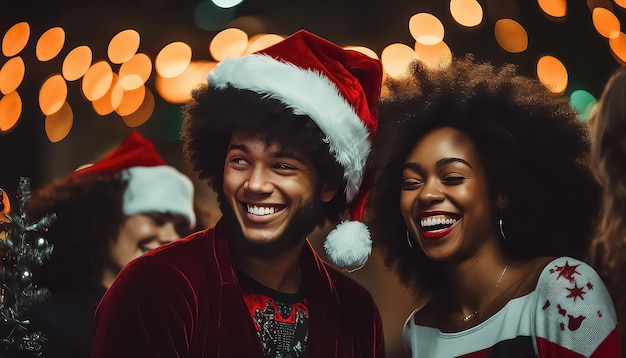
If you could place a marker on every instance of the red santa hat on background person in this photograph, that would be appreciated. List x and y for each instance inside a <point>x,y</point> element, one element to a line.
<point>339,90</point>
<point>153,186</point>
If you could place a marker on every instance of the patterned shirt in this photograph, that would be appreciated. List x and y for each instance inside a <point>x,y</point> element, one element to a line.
<point>569,314</point>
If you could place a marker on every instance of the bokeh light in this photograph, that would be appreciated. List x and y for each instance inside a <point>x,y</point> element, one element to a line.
<point>621,3</point>
<point>434,56</point>
<point>553,8</point>
<point>77,63</point>
<point>59,124</point>
<point>131,101</point>
<point>178,89</point>
<point>10,111</point>
<point>426,28</point>
<point>143,113</point>
<point>111,100</point>
<point>15,39</point>
<point>552,73</point>
<point>605,22</point>
<point>228,43</point>
<point>262,41</point>
<point>135,72</point>
<point>466,13</point>
<point>225,4</point>
<point>618,48</point>
<point>50,44</point>
<point>396,58</point>
<point>173,59</point>
<point>583,102</point>
<point>97,80</point>
<point>510,35</point>
<point>52,94</point>
<point>11,75</point>
<point>123,46</point>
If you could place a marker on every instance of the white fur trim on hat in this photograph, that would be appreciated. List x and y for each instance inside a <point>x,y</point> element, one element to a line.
<point>307,92</point>
<point>348,245</point>
<point>161,189</point>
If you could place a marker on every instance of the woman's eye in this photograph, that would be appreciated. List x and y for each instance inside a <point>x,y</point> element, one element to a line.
<point>453,179</point>
<point>410,184</point>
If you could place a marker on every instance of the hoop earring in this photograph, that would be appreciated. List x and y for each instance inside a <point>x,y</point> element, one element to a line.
<point>501,225</point>
<point>409,241</point>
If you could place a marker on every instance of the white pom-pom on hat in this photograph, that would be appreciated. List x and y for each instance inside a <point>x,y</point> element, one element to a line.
<point>349,245</point>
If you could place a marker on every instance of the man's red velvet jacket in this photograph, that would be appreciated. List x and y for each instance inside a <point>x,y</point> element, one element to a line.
<point>184,300</point>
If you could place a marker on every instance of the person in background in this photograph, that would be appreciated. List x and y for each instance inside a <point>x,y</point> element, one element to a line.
<point>107,214</point>
<point>283,136</point>
<point>608,162</point>
<point>484,207</point>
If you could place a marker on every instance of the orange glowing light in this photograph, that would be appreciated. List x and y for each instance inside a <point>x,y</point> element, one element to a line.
<point>511,36</point>
<point>262,41</point>
<point>173,59</point>
<point>605,22</point>
<point>466,13</point>
<point>554,8</point>
<point>396,59</point>
<point>552,73</point>
<point>111,100</point>
<point>135,72</point>
<point>97,80</point>
<point>143,113</point>
<point>58,125</point>
<point>11,75</point>
<point>434,56</point>
<point>15,39</point>
<point>53,94</point>
<point>228,43</point>
<point>50,44</point>
<point>621,3</point>
<point>10,111</point>
<point>618,48</point>
<point>123,46</point>
<point>426,28</point>
<point>131,101</point>
<point>178,89</point>
<point>76,63</point>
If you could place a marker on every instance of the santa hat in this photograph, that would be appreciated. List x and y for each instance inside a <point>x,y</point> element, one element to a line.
<point>337,88</point>
<point>152,185</point>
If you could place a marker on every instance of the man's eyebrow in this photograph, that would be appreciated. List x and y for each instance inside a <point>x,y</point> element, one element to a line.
<point>292,155</point>
<point>241,147</point>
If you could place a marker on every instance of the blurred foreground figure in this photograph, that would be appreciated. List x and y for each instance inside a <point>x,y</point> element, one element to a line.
<point>108,214</point>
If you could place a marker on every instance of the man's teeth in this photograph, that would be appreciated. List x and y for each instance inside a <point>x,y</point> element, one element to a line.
<point>436,221</point>
<point>263,210</point>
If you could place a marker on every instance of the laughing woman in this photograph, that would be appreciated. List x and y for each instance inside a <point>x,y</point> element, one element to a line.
<point>483,207</point>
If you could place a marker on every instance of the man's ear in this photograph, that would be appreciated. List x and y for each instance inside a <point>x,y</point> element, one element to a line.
<point>328,192</point>
<point>502,202</point>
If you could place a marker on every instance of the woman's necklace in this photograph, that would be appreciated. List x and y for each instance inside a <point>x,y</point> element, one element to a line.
<point>473,314</point>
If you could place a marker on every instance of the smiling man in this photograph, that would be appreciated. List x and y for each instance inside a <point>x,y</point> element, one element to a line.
<point>282,136</point>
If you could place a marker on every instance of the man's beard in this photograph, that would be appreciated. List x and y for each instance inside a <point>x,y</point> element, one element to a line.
<point>303,222</point>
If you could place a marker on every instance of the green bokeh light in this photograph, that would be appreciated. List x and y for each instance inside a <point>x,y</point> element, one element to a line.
<point>584,103</point>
